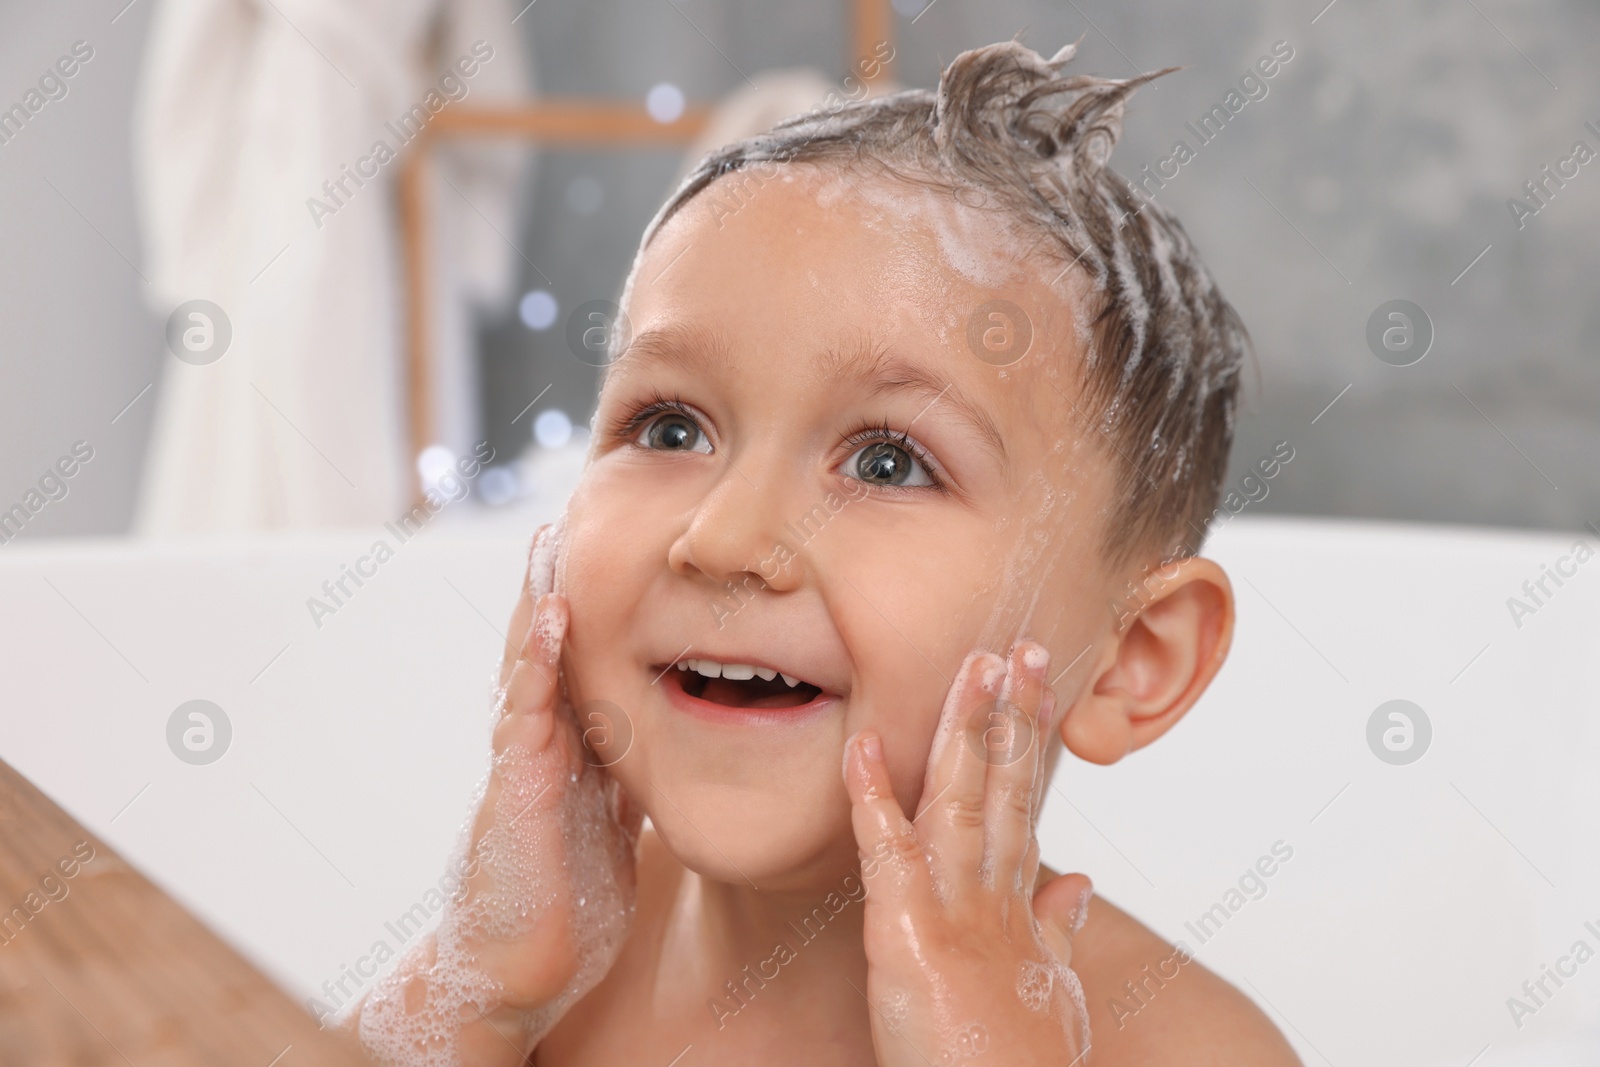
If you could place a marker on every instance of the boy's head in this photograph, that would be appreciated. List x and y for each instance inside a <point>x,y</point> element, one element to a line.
<point>902,380</point>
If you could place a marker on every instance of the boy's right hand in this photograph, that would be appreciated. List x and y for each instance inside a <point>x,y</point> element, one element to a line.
<point>555,834</point>
<point>549,895</point>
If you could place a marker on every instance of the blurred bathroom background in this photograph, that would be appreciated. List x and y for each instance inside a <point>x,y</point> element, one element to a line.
<point>1375,165</point>
<point>224,311</point>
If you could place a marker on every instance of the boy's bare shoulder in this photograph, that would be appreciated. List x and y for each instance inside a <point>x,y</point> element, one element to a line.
<point>1154,1005</point>
<point>1150,1003</point>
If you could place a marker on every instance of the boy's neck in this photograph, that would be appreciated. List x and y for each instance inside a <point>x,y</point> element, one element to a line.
<point>763,960</point>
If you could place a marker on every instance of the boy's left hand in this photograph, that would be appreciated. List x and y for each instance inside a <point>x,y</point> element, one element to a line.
<point>964,959</point>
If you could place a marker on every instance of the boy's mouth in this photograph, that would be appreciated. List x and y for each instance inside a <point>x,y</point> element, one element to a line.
<point>739,685</point>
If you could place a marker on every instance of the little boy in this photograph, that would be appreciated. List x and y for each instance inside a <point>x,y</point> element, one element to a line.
<point>898,384</point>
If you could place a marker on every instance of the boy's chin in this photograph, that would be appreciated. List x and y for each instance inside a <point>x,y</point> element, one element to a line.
<point>782,838</point>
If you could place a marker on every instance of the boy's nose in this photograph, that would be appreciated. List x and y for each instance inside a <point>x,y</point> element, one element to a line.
<point>736,531</point>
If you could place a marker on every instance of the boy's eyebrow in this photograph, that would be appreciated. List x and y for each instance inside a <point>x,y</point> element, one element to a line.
<point>872,369</point>
<point>691,349</point>
<point>877,371</point>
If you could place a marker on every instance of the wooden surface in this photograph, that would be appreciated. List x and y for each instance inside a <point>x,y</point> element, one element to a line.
<point>587,122</point>
<point>871,24</point>
<point>102,967</point>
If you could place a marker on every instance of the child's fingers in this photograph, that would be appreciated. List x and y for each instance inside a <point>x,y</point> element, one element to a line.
<point>1030,865</point>
<point>524,756</point>
<point>522,614</point>
<point>950,814</point>
<point>951,720</point>
<point>893,865</point>
<point>543,562</point>
<point>1048,722</point>
<point>1013,763</point>
<point>624,812</point>
<point>1061,906</point>
<point>1041,780</point>
<point>532,690</point>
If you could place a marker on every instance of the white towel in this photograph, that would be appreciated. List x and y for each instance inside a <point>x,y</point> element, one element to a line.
<point>246,108</point>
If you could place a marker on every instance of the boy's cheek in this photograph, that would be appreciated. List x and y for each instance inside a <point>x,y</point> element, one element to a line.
<point>588,541</point>
<point>907,726</point>
<point>592,573</point>
<point>907,634</point>
<point>909,774</point>
<point>631,771</point>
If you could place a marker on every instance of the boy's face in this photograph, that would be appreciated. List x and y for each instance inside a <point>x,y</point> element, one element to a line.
<point>836,436</point>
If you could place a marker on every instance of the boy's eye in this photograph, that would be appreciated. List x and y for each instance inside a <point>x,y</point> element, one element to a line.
<point>883,463</point>
<point>674,433</point>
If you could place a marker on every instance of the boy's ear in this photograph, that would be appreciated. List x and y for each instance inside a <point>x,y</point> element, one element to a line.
<point>1157,665</point>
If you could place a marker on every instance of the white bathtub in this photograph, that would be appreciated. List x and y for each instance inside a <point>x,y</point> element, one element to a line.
<point>1417,899</point>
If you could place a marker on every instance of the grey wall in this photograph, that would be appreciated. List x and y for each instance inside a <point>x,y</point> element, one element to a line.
<point>1381,160</point>
<point>76,344</point>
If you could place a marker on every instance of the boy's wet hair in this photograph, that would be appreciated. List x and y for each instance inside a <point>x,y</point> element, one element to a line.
<point>1008,131</point>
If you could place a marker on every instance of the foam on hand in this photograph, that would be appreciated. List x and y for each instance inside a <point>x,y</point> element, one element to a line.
<point>415,1012</point>
<point>551,851</point>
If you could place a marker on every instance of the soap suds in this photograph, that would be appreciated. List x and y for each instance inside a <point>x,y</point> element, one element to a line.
<point>966,1041</point>
<point>546,569</point>
<point>551,846</point>
<point>895,1005</point>
<point>1034,985</point>
<point>414,1014</point>
<point>550,626</point>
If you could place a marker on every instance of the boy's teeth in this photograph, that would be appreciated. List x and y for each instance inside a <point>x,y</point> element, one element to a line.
<point>737,671</point>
